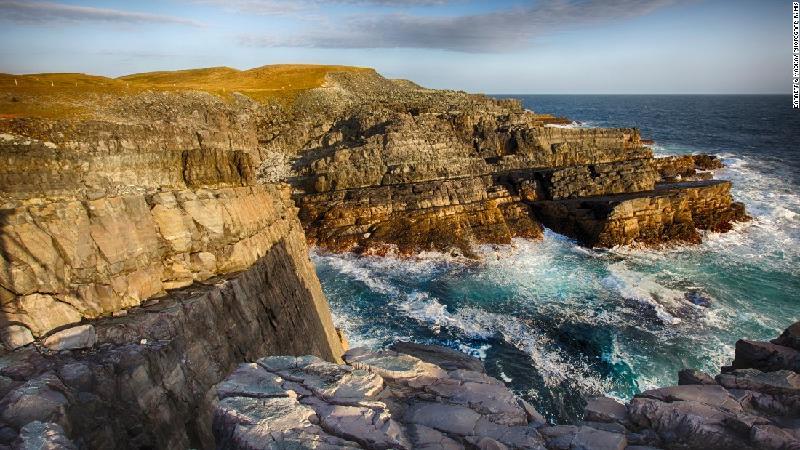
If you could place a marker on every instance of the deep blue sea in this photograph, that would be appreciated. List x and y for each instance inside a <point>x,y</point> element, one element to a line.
<point>558,322</point>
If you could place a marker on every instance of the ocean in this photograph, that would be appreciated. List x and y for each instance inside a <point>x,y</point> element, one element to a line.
<point>557,322</point>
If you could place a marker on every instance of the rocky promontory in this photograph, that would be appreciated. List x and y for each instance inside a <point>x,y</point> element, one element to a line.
<point>410,169</point>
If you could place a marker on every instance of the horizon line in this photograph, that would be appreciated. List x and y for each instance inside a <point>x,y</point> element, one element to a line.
<point>651,94</point>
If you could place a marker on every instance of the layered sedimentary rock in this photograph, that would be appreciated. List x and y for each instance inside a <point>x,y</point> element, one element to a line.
<point>426,397</point>
<point>140,263</point>
<point>375,164</point>
<point>669,213</point>
<point>421,170</point>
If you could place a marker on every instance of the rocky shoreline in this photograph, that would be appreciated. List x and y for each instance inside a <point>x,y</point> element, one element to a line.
<point>430,397</point>
<point>415,396</point>
<point>154,237</point>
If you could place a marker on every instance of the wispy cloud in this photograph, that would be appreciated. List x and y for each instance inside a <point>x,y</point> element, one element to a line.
<point>44,12</point>
<point>276,7</point>
<point>504,30</point>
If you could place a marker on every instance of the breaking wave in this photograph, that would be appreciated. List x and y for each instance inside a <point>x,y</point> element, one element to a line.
<point>558,322</point>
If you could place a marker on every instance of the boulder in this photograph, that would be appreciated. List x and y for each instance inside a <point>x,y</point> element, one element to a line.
<point>604,409</point>
<point>82,336</point>
<point>446,358</point>
<point>697,298</point>
<point>790,337</point>
<point>15,336</point>
<point>765,356</point>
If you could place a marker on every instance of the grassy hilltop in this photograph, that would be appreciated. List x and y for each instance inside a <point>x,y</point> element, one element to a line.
<point>58,95</point>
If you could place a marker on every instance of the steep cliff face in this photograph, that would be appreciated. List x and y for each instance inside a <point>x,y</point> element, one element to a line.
<point>140,263</point>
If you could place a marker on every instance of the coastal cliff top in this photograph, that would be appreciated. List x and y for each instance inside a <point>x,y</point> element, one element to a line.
<point>308,90</point>
<point>62,95</point>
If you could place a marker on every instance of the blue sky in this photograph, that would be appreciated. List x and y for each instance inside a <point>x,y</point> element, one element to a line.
<point>513,46</point>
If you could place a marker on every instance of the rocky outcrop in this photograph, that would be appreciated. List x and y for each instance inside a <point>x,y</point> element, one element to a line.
<point>141,261</point>
<point>451,171</point>
<point>390,399</point>
<point>376,165</point>
<point>753,404</point>
<point>379,400</point>
<point>669,213</point>
<point>143,382</point>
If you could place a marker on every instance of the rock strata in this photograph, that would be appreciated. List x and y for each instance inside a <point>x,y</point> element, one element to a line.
<point>424,170</point>
<point>140,262</point>
<point>376,165</point>
<point>391,399</point>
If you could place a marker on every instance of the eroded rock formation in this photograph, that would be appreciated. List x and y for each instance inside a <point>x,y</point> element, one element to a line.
<point>390,399</point>
<point>420,170</point>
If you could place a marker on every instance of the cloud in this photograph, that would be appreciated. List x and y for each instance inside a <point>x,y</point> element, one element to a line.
<point>276,7</point>
<point>504,30</point>
<point>44,12</point>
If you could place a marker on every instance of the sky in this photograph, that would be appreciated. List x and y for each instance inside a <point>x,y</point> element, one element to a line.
<point>497,47</point>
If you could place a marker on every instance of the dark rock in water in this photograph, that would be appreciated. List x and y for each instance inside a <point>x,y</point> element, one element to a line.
<point>790,337</point>
<point>707,162</point>
<point>446,358</point>
<point>697,298</point>
<point>692,376</point>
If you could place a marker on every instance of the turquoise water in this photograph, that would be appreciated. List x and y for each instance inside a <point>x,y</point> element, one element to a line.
<point>558,322</point>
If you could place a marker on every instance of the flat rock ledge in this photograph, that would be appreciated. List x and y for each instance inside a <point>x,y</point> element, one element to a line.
<point>393,400</point>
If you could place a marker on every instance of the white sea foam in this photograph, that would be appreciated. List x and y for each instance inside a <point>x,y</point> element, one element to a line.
<point>560,283</point>
<point>555,367</point>
<point>644,288</point>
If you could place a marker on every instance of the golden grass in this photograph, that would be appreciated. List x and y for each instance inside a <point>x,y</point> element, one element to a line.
<point>56,95</point>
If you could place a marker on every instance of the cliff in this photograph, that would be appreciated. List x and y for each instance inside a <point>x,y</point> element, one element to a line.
<point>140,263</point>
<point>394,167</point>
<point>378,165</point>
<point>154,226</point>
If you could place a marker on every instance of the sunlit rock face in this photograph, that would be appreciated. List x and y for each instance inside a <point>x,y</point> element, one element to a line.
<point>411,169</point>
<point>154,237</point>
